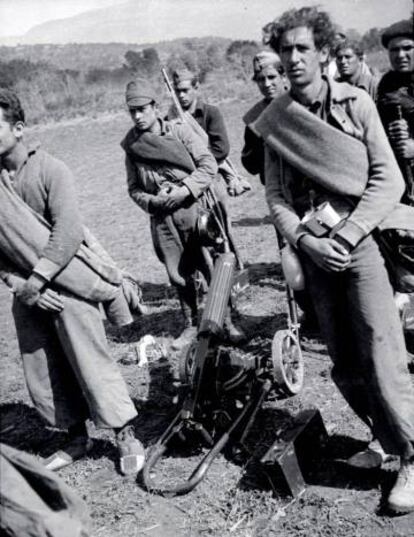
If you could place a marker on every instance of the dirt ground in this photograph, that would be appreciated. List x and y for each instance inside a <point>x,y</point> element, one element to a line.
<point>237,499</point>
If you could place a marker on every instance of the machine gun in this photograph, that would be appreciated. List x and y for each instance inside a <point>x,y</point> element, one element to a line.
<point>225,389</point>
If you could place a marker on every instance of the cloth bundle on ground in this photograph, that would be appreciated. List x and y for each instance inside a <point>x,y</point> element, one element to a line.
<point>89,275</point>
<point>35,502</point>
<point>336,161</point>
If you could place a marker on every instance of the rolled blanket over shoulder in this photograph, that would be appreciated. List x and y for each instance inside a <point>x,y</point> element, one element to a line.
<point>23,236</point>
<point>151,148</point>
<point>308,144</point>
<point>330,157</point>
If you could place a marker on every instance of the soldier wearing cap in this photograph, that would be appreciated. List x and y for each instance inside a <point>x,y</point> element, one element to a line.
<point>269,76</point>
<point>169,168</point>
<point>396,108</point>
<point>396,91</point>
<point>211,121</point>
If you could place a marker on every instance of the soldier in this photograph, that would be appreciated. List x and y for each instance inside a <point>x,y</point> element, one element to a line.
<point>268,73</point>
<point>396,108</point>
<point>349,60</point>
<point>169,168</point>
<point>324,142</point>
<point>210,119</point>
<point>67,365</point>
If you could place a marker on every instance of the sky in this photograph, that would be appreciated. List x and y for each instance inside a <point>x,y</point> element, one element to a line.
<point>18,16</point>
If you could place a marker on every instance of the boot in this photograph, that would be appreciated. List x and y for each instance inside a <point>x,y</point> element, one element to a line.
<point>185,338</point>
<point>232,333</point>
<point>190,325</point>
<point>77,447</point>
<point>401,498</point>
<point>371,457</point>
<point>131,451</point>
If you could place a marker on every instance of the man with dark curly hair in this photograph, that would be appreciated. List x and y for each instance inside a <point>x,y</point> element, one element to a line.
<point>327,150</point>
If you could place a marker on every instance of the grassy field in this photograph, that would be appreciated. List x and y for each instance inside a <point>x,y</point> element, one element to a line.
<point>236,499</point>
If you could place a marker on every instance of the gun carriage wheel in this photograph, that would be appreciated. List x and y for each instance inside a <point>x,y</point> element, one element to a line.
<point>186,362</point>
<point>287,362</point>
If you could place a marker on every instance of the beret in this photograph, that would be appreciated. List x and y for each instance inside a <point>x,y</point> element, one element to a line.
<point>140,92</point>
<point>402,28</point>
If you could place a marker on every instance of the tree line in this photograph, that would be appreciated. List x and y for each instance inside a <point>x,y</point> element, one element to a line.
<point>61,81</point>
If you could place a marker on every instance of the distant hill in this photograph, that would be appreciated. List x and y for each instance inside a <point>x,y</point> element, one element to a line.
<point>143,21</point>
<point>151,21</point>
<point>82,57</point>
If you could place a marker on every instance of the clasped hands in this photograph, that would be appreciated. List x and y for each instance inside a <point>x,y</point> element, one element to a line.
<point>401,141</point>
<point>169,200</point>
<point>31,293</point>
<point>326,252</point>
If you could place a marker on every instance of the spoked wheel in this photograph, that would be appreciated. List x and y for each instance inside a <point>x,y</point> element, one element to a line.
<point>287,361</point>
<point>186,362</point>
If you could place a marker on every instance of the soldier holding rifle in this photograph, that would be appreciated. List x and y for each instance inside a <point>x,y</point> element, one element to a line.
<point>327,153</point>
<point>209,118</point>
<point>396,108</point>
<point>169,169</point>
<point>396,98</point>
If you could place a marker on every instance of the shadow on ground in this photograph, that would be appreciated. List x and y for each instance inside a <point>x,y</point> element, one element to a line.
<point>252,222</point>
<point>24,429</point>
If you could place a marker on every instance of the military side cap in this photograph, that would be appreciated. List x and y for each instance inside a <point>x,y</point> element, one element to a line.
<point>140,92</point>
<point>183,75</point>
<point>398,29</point>
<point>263,59</point>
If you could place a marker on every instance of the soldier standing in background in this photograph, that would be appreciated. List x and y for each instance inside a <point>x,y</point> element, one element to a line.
<point>269,75</point>
<point>349,61</point>
<point>169,168</point>
<point>210,119</point>
<point>396,108</point>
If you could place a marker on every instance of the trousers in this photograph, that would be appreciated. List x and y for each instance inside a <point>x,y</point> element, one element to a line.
<point>68,369</point>
<point>362,329</point>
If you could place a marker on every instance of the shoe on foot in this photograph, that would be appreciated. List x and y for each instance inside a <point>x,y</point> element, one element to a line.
<point>185,338</point>
<point>77,448</point>
<point>232,333</point>
<point>371,457</point>
<point>131,451</point>
<point>401,498</point>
